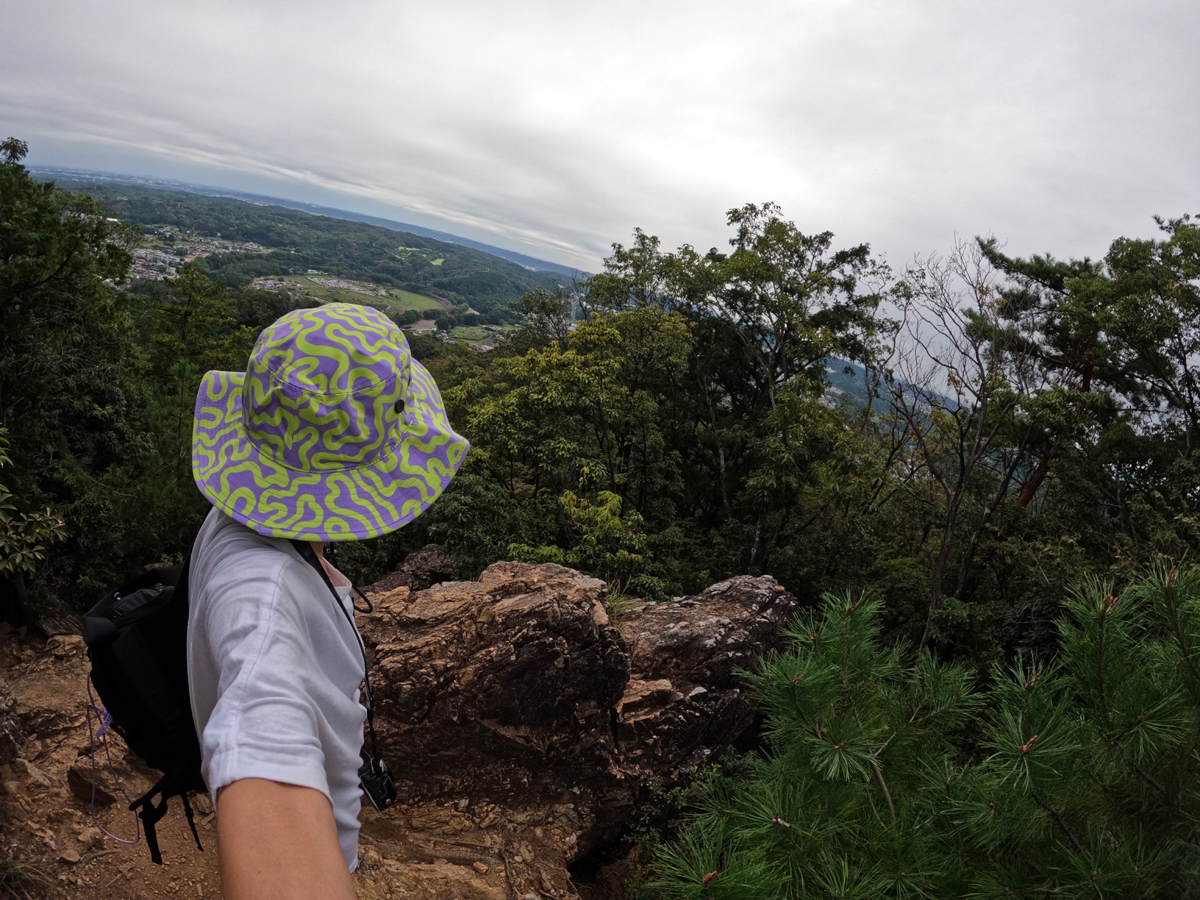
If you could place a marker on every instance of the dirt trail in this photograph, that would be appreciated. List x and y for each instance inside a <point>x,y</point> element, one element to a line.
<point>47,829</point>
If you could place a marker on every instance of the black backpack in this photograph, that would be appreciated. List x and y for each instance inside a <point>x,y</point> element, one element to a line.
<point>137,641</point>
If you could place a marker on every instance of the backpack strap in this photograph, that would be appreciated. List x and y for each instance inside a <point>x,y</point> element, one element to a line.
<point>150,815</point>
<point>191,817</point>
<point>151,812</point>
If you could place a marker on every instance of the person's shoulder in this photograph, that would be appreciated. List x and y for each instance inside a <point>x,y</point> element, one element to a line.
<point>235,562</point>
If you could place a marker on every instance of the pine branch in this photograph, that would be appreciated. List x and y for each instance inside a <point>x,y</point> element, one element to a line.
<point>1057,815</point>
<point>1150,779</point>
<point>887,795</point>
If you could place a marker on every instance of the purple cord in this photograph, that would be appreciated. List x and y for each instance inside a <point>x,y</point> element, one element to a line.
<point>101,735</point>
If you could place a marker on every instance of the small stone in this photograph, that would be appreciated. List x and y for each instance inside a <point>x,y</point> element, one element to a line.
<point>79,779</point>
<point>36,775</point>
<point>64,645</point>
<point>70,856</point>
<point>481,868</point>
<point>89,836</point>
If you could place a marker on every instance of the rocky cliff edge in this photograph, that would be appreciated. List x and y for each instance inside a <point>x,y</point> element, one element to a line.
<point>522,723</point>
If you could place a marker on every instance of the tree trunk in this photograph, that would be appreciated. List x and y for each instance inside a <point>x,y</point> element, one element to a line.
<point>14,600</point>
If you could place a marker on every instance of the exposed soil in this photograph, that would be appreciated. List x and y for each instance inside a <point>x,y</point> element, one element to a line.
<point>48,832</point>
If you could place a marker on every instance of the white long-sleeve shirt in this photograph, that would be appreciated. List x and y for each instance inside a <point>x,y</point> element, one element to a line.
<point>274,670</point>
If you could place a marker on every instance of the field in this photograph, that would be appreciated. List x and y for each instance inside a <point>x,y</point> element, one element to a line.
<point>409,300</point>
<point>394,300</point>
<point>468,333</point>
<point>402,251</point>
<point>474,333</point>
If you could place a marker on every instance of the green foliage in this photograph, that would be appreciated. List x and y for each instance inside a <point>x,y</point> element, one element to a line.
<point>23,536</point>
<point>18,878</point>
<point>1054,440</point>
<point>607,544</point>
<point>257,308</point>
<point>96,391</point>
<point>692,391</point>
<point>71,391</point>
<point>194,331</point>
<point>878,780</point>
<point>669,423</point>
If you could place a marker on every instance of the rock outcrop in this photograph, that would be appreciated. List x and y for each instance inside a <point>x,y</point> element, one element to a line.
<point>684,699</point>
<point>501,693</point>
<point>516,709</point>
<point>522,724</point>
<point>420,570</point>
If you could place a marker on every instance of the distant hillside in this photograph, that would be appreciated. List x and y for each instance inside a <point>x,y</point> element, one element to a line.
<point>521,259</point>
<point>295,241</point>
<point>847,382</point>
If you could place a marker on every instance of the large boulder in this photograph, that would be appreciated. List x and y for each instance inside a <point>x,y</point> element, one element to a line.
<point>684,699</point>
<point>513,709</point>
<point>500,690</point>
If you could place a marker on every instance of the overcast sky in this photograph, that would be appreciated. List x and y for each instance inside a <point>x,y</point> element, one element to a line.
<point>555,128</point>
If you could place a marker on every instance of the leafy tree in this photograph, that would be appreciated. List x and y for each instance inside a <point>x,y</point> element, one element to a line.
<point>795,303</point>
<point>24,536</point>
<point>258,309</point>
<point>609,544</point>
<point>194,331</point>
<point>749,415</point>
<point>545,317</point>
<point>69,368</point>
<point>963,399</point>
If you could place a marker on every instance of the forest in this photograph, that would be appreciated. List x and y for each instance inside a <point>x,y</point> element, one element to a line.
<point>995,687</point>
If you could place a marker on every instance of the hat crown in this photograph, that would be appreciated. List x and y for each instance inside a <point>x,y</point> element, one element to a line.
<point>324,388</point>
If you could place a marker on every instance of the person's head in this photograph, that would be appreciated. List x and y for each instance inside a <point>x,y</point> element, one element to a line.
<point>333,432</point>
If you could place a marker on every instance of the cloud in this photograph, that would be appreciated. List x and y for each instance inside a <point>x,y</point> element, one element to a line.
<point>557,128</point>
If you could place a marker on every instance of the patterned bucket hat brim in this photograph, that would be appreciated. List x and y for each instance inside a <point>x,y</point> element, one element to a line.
<point>333,433</point>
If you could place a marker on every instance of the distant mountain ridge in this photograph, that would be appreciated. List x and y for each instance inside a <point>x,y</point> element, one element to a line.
<point>521,259</point>
<point>852,385</point>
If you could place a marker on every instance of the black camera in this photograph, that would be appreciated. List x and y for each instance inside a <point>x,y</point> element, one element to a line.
<point>377,781</point>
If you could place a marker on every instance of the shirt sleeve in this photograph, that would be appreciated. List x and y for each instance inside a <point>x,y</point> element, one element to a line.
<point>265,723</point>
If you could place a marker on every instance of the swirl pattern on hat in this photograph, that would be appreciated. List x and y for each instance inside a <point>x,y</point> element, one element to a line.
<point>334,432</point>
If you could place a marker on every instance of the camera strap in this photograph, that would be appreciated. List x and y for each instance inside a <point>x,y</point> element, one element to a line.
<point>309,555</point>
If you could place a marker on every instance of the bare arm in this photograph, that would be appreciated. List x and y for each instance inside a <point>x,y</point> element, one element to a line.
<point>279,842</point>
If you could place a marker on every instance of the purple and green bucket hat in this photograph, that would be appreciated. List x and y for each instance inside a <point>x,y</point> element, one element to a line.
<point>334,432</point>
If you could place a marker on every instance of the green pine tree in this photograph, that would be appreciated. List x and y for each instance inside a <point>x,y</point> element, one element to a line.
<point>888,775</point>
